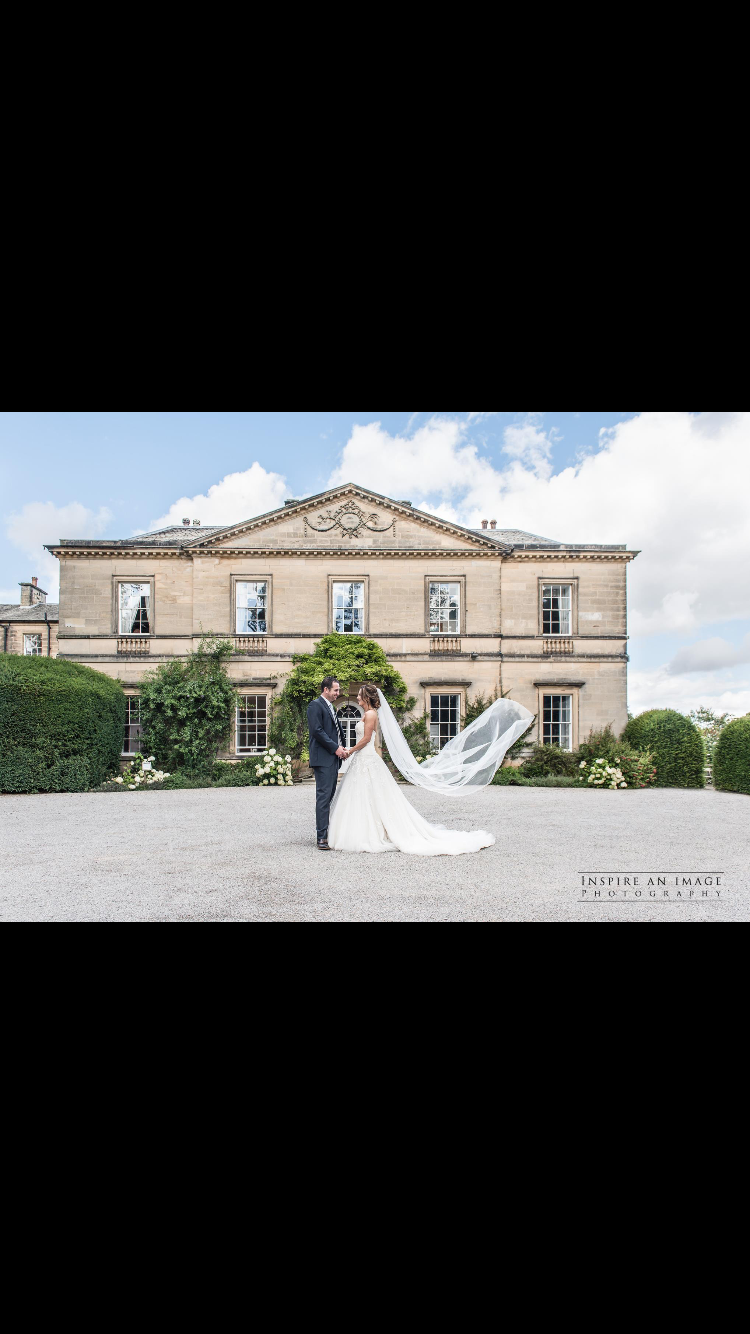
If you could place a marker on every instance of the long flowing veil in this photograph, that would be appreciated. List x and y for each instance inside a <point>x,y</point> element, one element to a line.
<point>470,760</point>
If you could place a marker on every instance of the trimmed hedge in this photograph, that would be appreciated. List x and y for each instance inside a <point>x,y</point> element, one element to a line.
<point>676,744</point>
<point>732,757</point>
<point>61,725</point>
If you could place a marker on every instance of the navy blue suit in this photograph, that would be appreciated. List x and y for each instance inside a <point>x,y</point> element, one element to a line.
<point>326,737</point>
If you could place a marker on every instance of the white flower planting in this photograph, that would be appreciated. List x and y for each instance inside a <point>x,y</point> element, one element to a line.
<point>601,774</point>
<point>274,769</point>
<point>145,776</point>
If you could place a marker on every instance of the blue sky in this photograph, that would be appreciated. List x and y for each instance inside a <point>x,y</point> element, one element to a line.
<point>671,484</point>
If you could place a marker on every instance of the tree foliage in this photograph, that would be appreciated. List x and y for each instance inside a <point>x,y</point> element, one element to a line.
<point>187,708</point>
<point>352,660</point>
<point>732,757</point>
<point>711,725</point>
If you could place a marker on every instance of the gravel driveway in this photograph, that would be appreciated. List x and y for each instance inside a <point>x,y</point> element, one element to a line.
<point>249,855</point>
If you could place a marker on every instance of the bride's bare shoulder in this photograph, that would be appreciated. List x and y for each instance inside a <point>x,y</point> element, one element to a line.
<point>371,713</point>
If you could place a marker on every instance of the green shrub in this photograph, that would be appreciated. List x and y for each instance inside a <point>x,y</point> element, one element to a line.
<point>236,775</point>
<point>732,757</point>
<point>510,777</point>
<point>552,780</point>
<point>61,725</point>
<point>548,761</point>
<point>177,782</point>
<point>676,744</point>
<point>603,745</point>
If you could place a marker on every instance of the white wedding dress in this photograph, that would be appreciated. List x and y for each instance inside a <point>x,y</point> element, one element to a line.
<point>371,814</point>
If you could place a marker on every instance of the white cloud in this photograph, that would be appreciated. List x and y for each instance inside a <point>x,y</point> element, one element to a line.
<point>673,485</point>
<point>658,689</point>
<point>39,523</point>
<point>709,655</point>
<point>238,496</point>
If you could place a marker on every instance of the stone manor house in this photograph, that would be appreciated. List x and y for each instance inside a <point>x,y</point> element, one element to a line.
<point>458,611</point>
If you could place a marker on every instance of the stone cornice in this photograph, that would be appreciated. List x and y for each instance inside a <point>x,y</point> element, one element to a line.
<point>572,555</point>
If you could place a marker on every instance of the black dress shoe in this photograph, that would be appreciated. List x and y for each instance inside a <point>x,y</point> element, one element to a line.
<point>323,845</point>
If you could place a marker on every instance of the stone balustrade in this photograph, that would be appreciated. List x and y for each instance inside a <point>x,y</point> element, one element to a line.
<point>250,644</point>
<point>137,646</point>
<point>445,644</point>
<point>558,648</point>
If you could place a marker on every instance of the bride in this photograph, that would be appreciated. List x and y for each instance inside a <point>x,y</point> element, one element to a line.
<point>370,812</point>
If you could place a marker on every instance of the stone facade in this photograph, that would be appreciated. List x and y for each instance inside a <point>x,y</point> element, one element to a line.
<point>29,627</point>
<point>350,535</point>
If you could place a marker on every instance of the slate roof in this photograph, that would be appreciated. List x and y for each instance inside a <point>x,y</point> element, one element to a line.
<point>516,537</point>
<point>11,611</point>
<point>179,535</point>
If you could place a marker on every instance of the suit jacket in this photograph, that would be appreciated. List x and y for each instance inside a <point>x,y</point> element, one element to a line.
<point>325,735</point>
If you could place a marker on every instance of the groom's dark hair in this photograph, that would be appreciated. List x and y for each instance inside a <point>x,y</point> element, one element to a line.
<point>328,681</point>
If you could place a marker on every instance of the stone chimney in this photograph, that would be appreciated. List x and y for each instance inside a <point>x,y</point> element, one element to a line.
<point>493,523</point>
<point>186,523</point>
<point>484,523</point>
<point>31,594</point>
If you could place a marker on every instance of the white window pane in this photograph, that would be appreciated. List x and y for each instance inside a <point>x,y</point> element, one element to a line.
<point>135,609</point>
<point>557,602</point>
<point>252,608</point>
<point>133,730</point>
<point>558,721</point>
<point>349,609</point>
<point>32,645</point>
<point>252,724</point>
<point>445,719</point>
<point>445,609</point>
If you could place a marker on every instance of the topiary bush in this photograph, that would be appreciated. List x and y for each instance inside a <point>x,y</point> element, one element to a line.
<point>676,745</point>
<point>61,725</point>
<point>732,757</point>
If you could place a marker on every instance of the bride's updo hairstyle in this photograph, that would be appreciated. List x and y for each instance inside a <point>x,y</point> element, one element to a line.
<point>369,694</point>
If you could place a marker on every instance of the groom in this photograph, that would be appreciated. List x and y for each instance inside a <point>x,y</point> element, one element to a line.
<point>326,753</point>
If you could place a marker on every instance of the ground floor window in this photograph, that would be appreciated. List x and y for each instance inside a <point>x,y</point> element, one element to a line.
<point>445,719</point>
<point>252,724</point>
<point>133,731</point>
<point>32,645</point>
<point>558,721</point>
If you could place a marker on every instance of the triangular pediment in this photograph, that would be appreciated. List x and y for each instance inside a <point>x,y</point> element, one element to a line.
<point>347,517</point>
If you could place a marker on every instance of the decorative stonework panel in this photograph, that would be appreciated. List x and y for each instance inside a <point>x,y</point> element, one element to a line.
<point>350,520</point>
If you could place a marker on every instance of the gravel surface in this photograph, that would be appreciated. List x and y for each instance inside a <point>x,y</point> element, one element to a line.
<point>249,855</point>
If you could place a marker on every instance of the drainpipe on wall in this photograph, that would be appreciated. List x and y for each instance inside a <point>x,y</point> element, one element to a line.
<point>5,638</point>
<point>46,617</point>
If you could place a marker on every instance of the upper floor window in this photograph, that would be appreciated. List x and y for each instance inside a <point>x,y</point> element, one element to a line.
<point>32,645</point>
<point>557,603</point>
<point>133,731</point>
<point>445,609</point>
<point>135,609</point>
<point>349,609</point>
<point>251,608</point>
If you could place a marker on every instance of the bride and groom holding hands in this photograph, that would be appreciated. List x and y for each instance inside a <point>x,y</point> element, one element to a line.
<point>367,811</point>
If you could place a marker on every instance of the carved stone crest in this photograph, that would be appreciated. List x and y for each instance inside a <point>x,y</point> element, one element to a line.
<point>350,519</point>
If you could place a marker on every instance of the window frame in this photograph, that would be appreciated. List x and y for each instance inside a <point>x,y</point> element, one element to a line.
<point>236,579</point>
<point>133,695</point>
<point>459,579</point>
<point>445,693</point>
<point>118,579</point>
<point>570,582</point>
<point>247,694</point>
<point>349,579</point>
<point>560,688</point>
<point>33,634</point>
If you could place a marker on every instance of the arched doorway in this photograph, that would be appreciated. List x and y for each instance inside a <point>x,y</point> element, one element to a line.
<point>349,716</point>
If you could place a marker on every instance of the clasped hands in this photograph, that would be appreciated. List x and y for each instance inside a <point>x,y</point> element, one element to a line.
<point>343,754</point>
